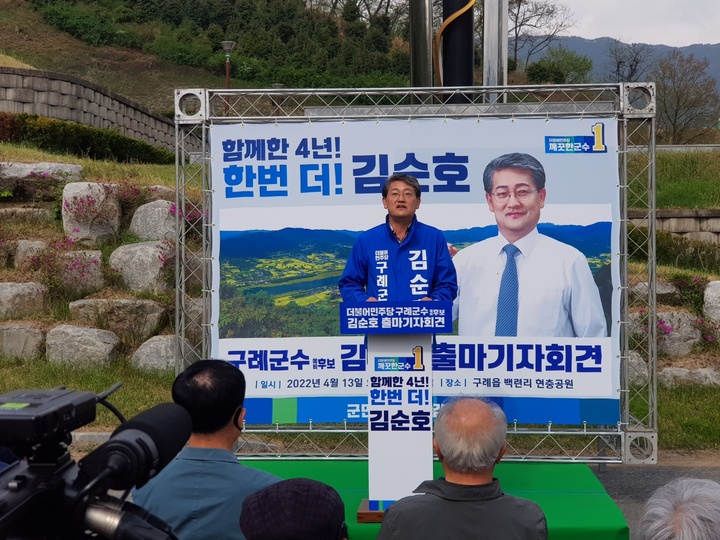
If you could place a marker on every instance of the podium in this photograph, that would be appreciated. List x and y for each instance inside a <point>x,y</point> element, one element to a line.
<point>400,400</point>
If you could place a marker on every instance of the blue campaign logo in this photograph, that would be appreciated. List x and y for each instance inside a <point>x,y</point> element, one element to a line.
<point>401,363</point>
<point>578,144</point>
<point>394,363</point>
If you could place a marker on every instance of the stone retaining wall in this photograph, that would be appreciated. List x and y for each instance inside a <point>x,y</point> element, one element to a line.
<point>68,98</point>
<point>701,225</point>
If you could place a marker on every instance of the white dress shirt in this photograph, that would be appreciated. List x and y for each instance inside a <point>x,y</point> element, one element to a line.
<point>557,293</point>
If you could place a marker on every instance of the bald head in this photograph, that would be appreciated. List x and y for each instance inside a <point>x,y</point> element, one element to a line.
<point>470,434</point>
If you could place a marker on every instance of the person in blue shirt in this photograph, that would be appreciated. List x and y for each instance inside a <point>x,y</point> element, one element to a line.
<point>201,492</point>
<point>402,259</point>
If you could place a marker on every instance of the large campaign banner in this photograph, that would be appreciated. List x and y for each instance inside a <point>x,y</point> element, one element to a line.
<point>289,201</point>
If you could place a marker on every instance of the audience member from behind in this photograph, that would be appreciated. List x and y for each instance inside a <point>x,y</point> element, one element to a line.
<point>468,502</point>
<point>682,509</point>
<point>295,509</point>
<point>200,493</point>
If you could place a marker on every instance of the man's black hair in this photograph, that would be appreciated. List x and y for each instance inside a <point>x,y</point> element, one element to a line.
<point>514,160</point>
<point>409,180</point>
<point>211,391</point>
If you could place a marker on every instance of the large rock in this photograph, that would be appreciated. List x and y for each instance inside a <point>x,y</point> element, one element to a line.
<point>26,252</point>
<point>132,320</point>
<point>147,266</point>
<point>682,335</point>
<point>159,352</point>
<point>37,181</point>
<point>160,192</point>
<point>672,376</point>
<point>711,300</point>
<point>80,345</point>
<point>154,221</point>
<point>665,293</point>
<point>21,339</point>
<point>26,215</point>
<point>91,212</point>
<point>705,376</point>
<point>18,300</point>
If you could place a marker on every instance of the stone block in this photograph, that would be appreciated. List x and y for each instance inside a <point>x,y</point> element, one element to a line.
<point>22,339</point>
<point>703,236</point>
<point>26,252</point>
<point>61,87</point>
<point>10,80</point>
<point>681,337</point>
<point>61,113</point>
<point>711,301</point>
<point>130,319</point>
<point>21,95</point>
<point>40,84</point>
<point>710,225</point>
<point>9,107</point>
<point>70,101</point>
<point>158,353</point>
<point>18,300</point>
<point>681,225</point>
<point>80,345</point>
<point>90,212</point>
<point>144,266</point>
<point>51,98</point>
<point>41,109</point>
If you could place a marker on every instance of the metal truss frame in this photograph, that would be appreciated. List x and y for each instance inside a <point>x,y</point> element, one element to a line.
<point>633,440</point>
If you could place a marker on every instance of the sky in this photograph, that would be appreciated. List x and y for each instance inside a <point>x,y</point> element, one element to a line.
<point>656,22</point>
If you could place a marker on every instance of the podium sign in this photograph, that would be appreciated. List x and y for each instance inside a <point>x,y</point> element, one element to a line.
<point>400,412</point>
<point>400,399</point>
<point>395,318</point>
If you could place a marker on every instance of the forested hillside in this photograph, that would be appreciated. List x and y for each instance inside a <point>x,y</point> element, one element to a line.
<point>277,40</point>
<point>143,49</point>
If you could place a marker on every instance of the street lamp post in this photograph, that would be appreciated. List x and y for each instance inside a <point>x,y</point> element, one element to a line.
<point>228,47</point>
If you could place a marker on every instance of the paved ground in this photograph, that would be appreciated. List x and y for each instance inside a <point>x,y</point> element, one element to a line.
<point>631,485</point>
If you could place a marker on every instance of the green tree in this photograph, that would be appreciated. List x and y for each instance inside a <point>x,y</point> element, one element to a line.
<point>560,66</point>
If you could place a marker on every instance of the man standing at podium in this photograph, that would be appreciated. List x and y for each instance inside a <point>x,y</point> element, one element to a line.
<point>402,259</point>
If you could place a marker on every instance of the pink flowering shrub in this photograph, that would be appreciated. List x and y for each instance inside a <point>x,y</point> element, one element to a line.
<point>65,275</point>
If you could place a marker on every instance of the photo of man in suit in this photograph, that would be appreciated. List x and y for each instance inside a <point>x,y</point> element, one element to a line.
<point>521,282</point>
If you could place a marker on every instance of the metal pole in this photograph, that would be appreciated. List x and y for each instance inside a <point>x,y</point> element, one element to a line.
<point>458,63</point>
<point>228,47</point>
<point>227,70</point>
<point>421,74</point>
<point>495,44</point>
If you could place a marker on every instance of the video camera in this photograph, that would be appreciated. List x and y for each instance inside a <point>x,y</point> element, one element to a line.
<point>46,495</point>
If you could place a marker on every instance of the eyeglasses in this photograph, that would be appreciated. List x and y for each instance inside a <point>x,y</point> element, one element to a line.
<point>522,194</point>
<point>407,194</point>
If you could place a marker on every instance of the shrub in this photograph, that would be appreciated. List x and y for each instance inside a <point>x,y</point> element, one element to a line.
<point>81,22</point>
<point>710,335</point>
<point>80,140</point>
<point>8,127</point>
<point>65,278</point>
<point>674,250</point>
<point>185,45</point>
<point>692,291</point>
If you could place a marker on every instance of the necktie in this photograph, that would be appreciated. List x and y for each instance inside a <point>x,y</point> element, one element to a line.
<point>507,310</point>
